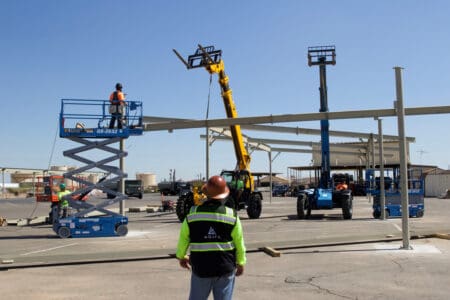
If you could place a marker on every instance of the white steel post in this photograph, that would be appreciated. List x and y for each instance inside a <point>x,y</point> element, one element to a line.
<point>381,153</point>
<point>34,184</point>
<point>372,151</point>
<point>270,172</point>
<point>3,183</point>
<point>403,162</point>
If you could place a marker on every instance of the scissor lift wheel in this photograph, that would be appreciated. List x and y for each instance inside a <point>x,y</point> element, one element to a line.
<point>64,232</point>
<point>122,230</point>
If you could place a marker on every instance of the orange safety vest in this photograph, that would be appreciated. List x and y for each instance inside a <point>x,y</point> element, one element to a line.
<point>116,97</point>
<point>341,186</point>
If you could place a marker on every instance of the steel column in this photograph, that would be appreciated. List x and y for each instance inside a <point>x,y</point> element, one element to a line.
<point>403,159</point>
<point>381,158</point>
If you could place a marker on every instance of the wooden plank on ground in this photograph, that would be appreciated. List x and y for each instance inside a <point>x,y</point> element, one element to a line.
<point>272,252</point>
<point>444,236</point>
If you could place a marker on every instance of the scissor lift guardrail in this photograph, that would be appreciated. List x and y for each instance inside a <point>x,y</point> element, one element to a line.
<point>87,122</point>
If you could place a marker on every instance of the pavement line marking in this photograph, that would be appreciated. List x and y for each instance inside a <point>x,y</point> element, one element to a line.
<point>137,233</point>
<point>162,225</point>
<point>49,249</point>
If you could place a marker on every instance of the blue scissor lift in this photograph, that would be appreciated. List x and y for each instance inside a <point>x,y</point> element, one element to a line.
<point>393,199</point>
<point>86,122</point>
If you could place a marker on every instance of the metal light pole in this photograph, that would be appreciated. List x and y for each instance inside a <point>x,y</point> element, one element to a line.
<point>403,161</point>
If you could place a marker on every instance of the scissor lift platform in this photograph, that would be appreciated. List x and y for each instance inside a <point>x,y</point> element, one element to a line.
<point>87,122</point>
<point>90,119</point>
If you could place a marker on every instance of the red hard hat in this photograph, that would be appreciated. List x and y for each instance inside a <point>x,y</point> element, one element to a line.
<point>216,188</point>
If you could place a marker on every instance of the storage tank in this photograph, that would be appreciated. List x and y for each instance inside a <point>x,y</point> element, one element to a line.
<point>59,168</point>
<point>23,177</point>
<point>148,179</point>
<point>93,178</point>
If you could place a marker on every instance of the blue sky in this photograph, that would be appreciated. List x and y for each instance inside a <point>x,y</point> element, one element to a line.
<point>80,49</point>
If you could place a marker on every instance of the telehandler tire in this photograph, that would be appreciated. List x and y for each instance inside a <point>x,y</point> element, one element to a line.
<point>301,206</point>
<point>184,204</point>
<point>254,206</point>
<point>347,207</point>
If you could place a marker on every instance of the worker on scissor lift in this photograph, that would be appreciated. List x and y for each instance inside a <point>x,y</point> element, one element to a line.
<point>116,109</point>
<point>63,203</point>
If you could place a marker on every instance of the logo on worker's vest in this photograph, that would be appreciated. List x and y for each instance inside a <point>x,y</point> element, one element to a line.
<point>211,234</point>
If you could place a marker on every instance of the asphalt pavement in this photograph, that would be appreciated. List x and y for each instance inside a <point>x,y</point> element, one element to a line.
<point>324,257</point>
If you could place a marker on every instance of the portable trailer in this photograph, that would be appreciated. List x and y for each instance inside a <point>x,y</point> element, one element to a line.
<point>86,122</point>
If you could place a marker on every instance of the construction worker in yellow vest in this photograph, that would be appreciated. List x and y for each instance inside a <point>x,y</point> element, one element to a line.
<point>63,204</point>
<point>213,232</point>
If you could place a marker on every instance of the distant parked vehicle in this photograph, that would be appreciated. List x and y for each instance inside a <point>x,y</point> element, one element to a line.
<point>133,188</point>
<point>173,187</point>
<point>280,190</point>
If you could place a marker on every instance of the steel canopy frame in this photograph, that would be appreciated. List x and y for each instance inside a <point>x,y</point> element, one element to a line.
<point>398,111</point>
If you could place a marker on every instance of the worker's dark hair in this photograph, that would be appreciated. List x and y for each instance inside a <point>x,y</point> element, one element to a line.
<point>118,86</point>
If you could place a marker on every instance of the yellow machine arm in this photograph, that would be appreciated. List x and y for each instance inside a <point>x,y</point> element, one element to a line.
<point>210,59</point>
<point>243,159</point>
<point>240,180</point>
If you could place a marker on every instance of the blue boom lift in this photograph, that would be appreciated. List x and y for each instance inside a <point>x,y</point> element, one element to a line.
<point>86,122</point>
<point>326,195</point>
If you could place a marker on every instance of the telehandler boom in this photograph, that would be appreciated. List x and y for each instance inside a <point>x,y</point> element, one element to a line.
<point>242,195</point>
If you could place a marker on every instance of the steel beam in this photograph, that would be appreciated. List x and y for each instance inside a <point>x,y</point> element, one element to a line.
<point>227,134</point>
<point>309,131</point>
<point>357,114</point>
<point>309,144</point>
<point>282,129</point>
<point>261,146</point>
